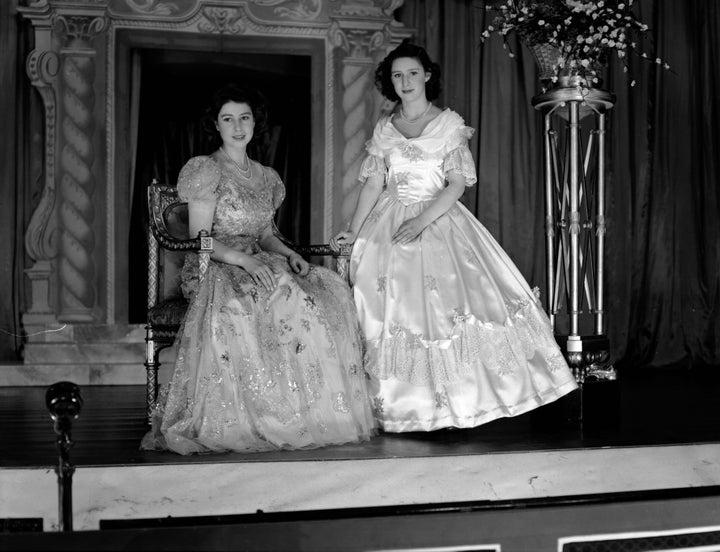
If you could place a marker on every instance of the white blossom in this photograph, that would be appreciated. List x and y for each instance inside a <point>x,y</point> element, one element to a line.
<point>580,39</point>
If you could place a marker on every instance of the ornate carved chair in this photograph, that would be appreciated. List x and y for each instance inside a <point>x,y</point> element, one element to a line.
<point>168,237</point>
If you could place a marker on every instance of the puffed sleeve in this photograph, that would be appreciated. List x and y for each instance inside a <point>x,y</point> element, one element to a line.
<point>372,165</point>
<point>198,180</point>
<point>276,185</point>
<point>374,162</point>
<point>458,157</point>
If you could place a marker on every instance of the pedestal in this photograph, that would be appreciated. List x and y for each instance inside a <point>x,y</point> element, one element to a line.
<point>574,181</point>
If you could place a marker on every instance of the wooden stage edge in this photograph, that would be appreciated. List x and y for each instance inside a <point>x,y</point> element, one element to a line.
<point>135,492</point>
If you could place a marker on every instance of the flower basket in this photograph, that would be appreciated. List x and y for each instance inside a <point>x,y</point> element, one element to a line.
<point>546,56</point>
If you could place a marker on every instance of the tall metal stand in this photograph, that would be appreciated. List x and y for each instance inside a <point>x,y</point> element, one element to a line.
<point>64,402</point>
<point>574,179</point>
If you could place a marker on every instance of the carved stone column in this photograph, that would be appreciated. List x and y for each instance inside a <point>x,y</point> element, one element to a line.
<point>60,237</point>
<point>77,286</point>
<point>361,50</point>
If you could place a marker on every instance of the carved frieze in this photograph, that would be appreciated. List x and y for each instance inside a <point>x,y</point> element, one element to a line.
<point>290,12</point>
<point>223,20</point>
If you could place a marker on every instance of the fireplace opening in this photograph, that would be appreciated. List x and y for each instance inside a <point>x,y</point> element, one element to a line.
<point>175,87</point>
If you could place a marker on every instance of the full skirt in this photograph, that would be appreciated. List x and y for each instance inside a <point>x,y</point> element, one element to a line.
<point>455,335</point>
<point>259,370</point>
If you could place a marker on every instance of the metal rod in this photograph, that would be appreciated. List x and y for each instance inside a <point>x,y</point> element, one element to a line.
<point>600,229</point>
<point>574,183</point>
<point>65,471</point>
<point>549,223</point>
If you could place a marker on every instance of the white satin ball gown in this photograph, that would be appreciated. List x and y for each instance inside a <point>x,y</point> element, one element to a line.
<point>455,336</point>
<point>258,370</point>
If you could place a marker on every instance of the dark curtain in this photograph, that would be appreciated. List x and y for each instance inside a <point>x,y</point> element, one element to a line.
<point>20,173</point>
<point>665,263</point>
<point>663,236</point>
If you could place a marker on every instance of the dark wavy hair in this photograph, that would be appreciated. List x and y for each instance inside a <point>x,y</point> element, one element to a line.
<point>240,94</point>
<point>406,49</point>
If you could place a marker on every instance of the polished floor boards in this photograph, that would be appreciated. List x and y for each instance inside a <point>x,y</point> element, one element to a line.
<point>642,408</point>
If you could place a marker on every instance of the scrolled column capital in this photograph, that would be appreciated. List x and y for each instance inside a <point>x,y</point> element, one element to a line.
<point>76,31</point>
<point>363,44</point>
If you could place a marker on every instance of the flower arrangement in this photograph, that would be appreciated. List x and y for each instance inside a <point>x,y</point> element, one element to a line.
<point>570,37</point>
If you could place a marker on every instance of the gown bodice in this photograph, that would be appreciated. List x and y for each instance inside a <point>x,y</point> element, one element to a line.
<point>242,212</point>
<point>417,167</point>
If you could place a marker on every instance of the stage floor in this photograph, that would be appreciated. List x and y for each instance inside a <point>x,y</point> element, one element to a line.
<point>650,430</point>
<point>642,408</point>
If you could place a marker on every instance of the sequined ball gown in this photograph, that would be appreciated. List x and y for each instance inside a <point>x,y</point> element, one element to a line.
<point>259,370</point>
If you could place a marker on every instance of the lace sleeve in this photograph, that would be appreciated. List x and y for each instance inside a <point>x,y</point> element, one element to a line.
<point>198,180</point>
<point>374,162</point>
<point>460,161</point>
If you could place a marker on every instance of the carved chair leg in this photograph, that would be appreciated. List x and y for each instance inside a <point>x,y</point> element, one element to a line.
<point>152,365</point>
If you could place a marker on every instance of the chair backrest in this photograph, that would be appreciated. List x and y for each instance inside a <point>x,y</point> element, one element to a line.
<point>168,214</point>
<point>176,220</point>
<point>165,221</point>
<point>168,240</point>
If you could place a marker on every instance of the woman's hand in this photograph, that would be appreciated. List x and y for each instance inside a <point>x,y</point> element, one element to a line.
<point>347,237</point>
<point>299,265</point>
<point>408,231</point>
<point>261,273</point>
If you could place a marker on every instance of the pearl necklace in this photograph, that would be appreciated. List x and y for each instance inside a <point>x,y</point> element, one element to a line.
<point>416,119</point>
<point>246,173</point>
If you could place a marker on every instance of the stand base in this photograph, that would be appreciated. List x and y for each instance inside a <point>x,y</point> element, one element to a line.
<point>588,357</point>
<point>596,404</point>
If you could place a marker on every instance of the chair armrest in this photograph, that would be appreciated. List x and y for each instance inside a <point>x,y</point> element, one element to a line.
<point>320,250</point>
<point>342,257</point>
<point>168,241</point>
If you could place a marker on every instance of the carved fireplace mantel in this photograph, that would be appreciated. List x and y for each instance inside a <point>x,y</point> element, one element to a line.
<point>77,236</point>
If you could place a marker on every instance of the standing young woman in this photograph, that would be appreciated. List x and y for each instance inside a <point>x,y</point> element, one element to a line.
<point>455,337</point>
<point>269,355</point>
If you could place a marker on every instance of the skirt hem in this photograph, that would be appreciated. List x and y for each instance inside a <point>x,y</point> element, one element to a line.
<point>483,417</point>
